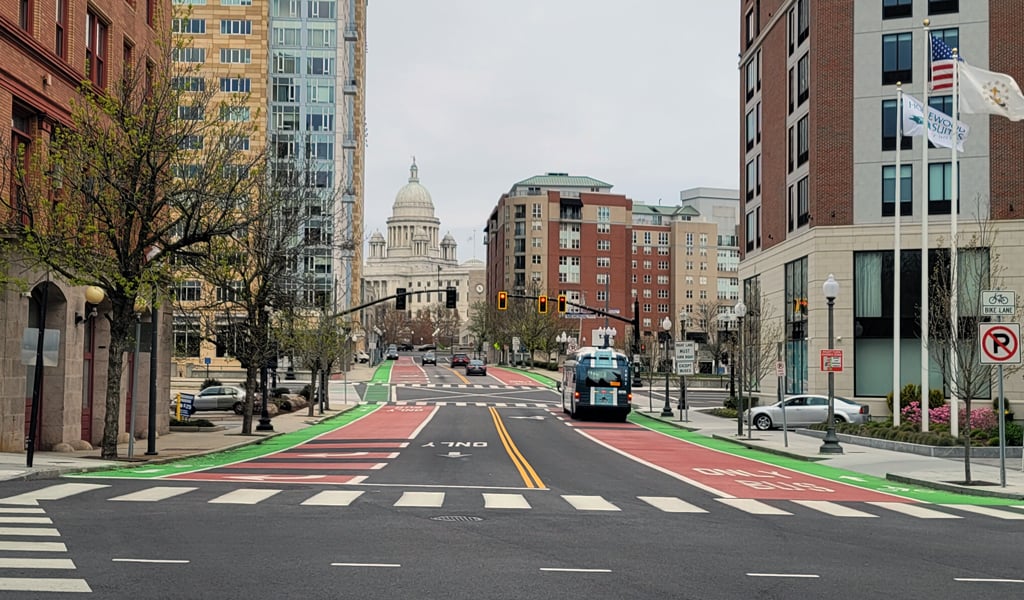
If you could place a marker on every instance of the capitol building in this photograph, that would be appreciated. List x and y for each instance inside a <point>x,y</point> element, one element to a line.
<point>413,255</point>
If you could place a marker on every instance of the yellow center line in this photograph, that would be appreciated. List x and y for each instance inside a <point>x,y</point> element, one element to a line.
<point>526,471</point>
<point>459,375</point>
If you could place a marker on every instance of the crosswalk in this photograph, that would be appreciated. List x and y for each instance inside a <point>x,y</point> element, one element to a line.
<point>17,519</point>
<point>27,546</point>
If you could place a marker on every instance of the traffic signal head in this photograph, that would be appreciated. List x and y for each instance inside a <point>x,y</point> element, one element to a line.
<point>451,297</point>
<point>561,303</point>
<point>399,298</point>
<point>502,300</point>
<point>542,304</point>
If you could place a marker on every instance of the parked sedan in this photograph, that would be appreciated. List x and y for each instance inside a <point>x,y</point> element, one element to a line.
<point>476,367</point>
<point>807,409</point>
<point>220,397</point>
<point>362,357</point>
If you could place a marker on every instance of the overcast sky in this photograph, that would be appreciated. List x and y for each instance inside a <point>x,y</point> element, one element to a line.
<point>640,94</point>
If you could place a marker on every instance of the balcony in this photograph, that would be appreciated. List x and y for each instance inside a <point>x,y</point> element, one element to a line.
<point>351,34</point>
<point>349,142</point>
<point>351,87</point>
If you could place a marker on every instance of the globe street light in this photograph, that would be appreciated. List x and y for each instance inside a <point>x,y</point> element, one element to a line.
<point>740,310</point>
<point>831,444</point>
<point>666,324</point>
<point>682,377</point>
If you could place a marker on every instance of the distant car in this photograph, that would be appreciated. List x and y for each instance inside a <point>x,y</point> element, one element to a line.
<point>807,409</point>
<point>426,347</point>
<point>429,358</point>
<point>392,353</point>
<point>476,367</point>
<point>405,347</point>
<point>362,357</point>
<point>460,360</point>
<point>220,397</point>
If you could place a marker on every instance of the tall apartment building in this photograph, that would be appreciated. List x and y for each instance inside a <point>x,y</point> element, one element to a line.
<point>302,65</point>
<point>818,94</point>
<point>563,234</point>
<point>49,49</point>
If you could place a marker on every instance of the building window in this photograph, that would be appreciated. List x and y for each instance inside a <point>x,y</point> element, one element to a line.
<point>25,10</point>
<point>751,179</point>
<point>750,128</point>
<point>61,32</point>
<point>795,311</point>
<point>604,244</point>
<point>889,190</point>
<point>894,9</point>
<point>188,291</point>
<point>188,25</point>
<point>803,141</point>
<point>803,79</point>
<point>190,113</point>
<point>536,210</point>
<point>186,336</point>
<point>803,20</point>
<point>233,27</point>
<point>889,129</point>
<point>897,57</point>
<point>188,84</point>
<point>236,56</point>
<point>189,55</point>
<point>942,7</point>
<point>940,188</point>
<point>235,84</point>
<point>322,9</point>
<point>751,71</point>
<point>803,202</point>
<point>750,234</point>
<point>96,49</point>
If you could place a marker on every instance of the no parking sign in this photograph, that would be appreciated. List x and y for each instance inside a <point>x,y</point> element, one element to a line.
<point>1000,343</point>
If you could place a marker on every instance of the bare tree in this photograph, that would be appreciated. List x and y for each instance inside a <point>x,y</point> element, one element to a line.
<point>959,353</point>
<point>762,330</point>
<point>714,344</point>
<point>146,170</point>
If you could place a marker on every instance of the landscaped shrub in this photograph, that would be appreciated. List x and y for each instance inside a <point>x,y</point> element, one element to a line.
<point>192,423</point>
<point>981,418</point>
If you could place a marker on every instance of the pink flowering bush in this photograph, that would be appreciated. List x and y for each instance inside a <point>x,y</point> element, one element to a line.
<point>981,418</point>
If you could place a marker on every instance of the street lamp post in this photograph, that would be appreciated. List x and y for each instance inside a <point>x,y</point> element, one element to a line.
<point>683,409</point>
<point>666,324</point>
<point>264,424</point>
<point>740,310</point>
<point>563,340</point>
<point>831,443</point>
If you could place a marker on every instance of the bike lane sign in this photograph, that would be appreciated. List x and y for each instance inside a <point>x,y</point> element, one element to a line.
<point>998,303</point>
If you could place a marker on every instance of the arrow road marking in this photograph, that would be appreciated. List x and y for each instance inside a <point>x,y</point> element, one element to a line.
<point>454,455</point>
<point>852,478</point>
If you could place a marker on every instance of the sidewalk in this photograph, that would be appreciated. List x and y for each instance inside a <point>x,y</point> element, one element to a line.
<point>174,445</point>
<point>913,469</point>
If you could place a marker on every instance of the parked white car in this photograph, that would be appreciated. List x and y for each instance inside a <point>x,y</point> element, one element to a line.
<point>807,409</point>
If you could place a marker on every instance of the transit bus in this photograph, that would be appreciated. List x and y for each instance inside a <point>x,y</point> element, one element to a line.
<point>596,382</point>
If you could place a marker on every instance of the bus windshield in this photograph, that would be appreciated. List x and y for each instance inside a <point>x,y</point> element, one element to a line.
<point>604,377</point>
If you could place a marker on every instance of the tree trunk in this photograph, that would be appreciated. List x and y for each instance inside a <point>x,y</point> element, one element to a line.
<point>122,324</point>
<point>967,441</point>
<point>250,400</point>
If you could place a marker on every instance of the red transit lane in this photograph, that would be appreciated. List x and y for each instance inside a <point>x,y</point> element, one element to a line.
<point>406,370</point>
<point>510,377</point>
<point>722,474</point>
<point>348,454</point>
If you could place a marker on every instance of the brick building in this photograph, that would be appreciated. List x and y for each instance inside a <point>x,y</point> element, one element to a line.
<point>818,169</point>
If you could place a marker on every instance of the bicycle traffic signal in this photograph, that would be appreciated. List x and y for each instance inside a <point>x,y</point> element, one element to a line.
<point>561,304</point>
<point>399,298</point>
<point>451,297</point>
<point>542,304</point>
<point>502,300</point>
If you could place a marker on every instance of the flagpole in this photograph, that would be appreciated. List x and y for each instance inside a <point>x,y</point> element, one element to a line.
<point>954,267</point>
<point>924,230</point>
<point>897,270</point>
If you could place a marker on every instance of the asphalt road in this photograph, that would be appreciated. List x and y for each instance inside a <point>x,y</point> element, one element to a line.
<point>480,492</point>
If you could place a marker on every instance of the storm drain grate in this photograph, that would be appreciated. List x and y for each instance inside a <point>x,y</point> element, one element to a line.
<point>456,518</point>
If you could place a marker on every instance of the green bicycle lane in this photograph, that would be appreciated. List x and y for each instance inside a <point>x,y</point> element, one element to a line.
<point>839,476</point>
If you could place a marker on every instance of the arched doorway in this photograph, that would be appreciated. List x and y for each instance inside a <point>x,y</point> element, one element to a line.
<point>47,308</point>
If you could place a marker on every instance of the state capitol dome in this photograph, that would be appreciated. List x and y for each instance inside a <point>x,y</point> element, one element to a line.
<point>413,200</point>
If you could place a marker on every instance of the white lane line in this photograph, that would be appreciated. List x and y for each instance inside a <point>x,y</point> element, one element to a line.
<point>590,503</point>
<point>833,509</point>
<point>792,575</point>
<point>983,580</point>
<point>560,570</point>
<point>421,499</point>
<point>987,511</point>
<point>24,584</point>
<point>36,563</point>
<point>155,561</point>
<point>333,498</point>
<point>914,510</point>
<point>425,422</point>
<point>376,565</point>
<point>754,507</point>
<point>505,501</point>
<point>245,496</point>
<point>10,510</point>
<point>33,547</point>
<point>26,520</point>
<point>671,504</point>
<point>153,494</point>
<point>32,531</point>
<point>53,492</point>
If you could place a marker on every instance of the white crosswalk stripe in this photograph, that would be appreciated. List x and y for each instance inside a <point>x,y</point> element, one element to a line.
<point>30,531</point>
<point>36,563</point>
<point>32,547</point>
<point>672,505</point>
<point>914,510</point>
<point>26,520</point>
<point>590,503</point>
<point>153,494</point>
<point>421,499</point>
<point>333,498</point>
<point>754,507</point>
<point>26,584</point>
<point>245,496</point>
<point>505,501</point>
<point>53,492</point>
<point>831,508</point>
<point>20,564</point>
<point>987,511</point>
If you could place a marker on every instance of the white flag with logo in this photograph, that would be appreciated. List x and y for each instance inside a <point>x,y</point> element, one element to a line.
<point>940,126</point>
<point>987,92</point>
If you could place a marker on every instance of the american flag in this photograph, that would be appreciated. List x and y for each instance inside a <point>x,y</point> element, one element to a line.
<point>942,65</point>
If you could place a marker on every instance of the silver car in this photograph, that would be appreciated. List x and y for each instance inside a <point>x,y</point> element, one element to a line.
<point>220,397</point>
<point>807,409</point>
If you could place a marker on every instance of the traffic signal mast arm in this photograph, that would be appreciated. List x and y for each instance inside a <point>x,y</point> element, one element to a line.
<point>634,321</point>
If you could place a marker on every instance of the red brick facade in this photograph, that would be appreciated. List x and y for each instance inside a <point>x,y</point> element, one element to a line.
<point>1007,137</point>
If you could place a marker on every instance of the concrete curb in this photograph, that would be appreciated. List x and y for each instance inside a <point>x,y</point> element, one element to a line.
<point>972,490</point>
